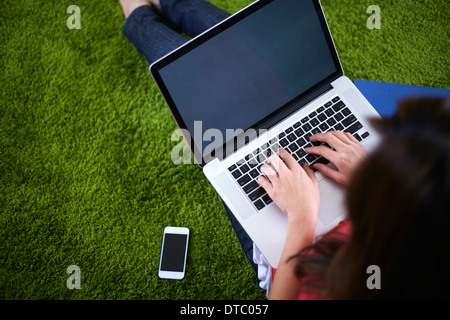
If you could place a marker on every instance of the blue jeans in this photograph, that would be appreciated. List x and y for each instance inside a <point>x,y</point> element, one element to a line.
<point>153,38</point>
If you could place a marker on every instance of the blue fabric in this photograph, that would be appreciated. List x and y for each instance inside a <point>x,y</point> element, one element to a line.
<point>384,96</point>
<point>243,237</point>
<point>155,36</point>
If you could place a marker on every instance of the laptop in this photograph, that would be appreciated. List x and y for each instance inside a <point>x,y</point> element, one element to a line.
<point>268,76</point>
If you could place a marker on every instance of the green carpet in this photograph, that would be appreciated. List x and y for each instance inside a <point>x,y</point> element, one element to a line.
<point>86,176</point>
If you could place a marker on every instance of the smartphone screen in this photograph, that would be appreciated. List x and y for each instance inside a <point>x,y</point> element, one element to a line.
<point>174,253</point>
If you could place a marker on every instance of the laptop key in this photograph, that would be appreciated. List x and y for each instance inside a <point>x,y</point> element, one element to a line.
<point>329,112</point>
<point>253,163</point>
<point>300,153</point>
<point>331,122</point>
<point>311,158</point>
<point>335,99</point>
<point>250,187</point>
<point>232,168</point>
<point>245,168</point>
<point>338,106</point>
<point>236,174</point>
<point>346,112</point>
<point>306,127</point>
<point>284,143</point>
<point>322,117</point>
<point>322,160</point>
<point>355,127</point>
<point>324,127</point>
<point>293,147</point>
<point>267,199</point>
<point>302,162</point>
<point>261,158</point>
<point>291,137</point>
<point>254,173</point>
<point>257,193</point>
<point>259,204</point>
<point>275,148</point>
<point>365,135</point>
<point>307,136</point>
<point>338,116</point>
<point>244,180</point>
<point>348,121</point>
<point>301,142</point>
<point>299,132</point>
<point>314,122</point>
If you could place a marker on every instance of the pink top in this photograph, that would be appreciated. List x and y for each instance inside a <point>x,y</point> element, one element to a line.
<point>344,227</point>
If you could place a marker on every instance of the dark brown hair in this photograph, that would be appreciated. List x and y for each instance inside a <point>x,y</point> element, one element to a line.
<point>398,204</point>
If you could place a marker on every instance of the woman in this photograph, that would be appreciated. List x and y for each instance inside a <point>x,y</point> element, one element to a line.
<point>397,197</point>
<point>398,202</point>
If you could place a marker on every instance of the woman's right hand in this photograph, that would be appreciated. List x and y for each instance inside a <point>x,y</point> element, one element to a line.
<point>347,154</point>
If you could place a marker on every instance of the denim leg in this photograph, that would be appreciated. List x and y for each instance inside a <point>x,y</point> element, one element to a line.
<point>192,16</point>
<point>145,29</point>
<point>243,237</point>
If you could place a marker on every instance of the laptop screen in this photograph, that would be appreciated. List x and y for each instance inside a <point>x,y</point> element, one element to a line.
<point>251,69</point>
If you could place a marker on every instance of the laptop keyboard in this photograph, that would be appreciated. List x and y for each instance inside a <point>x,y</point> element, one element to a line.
<point>332,116</point>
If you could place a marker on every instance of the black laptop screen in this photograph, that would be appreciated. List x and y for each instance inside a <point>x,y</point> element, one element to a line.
<point>251,69</point>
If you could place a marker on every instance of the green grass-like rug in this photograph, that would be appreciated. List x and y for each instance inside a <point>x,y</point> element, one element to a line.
<point>86,176</point>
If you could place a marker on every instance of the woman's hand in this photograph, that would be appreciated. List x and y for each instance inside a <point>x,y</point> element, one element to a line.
<point>294,189</point>
<point>348,153</point>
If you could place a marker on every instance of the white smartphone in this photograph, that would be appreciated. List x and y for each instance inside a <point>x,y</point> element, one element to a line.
<point>172,263</point>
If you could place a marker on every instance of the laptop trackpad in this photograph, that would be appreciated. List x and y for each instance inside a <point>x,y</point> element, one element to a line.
<point>331,200</point>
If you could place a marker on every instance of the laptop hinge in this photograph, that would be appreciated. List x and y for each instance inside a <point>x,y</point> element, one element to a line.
<point>294,106</point>
<point>248,136</point>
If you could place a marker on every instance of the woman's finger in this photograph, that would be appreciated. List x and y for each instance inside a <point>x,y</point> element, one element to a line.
<point>270,173</point>
<point>309,172</point>
<point>266,184</point>
<point>277,164</point>
<point>288,159</point>
<point>323,151</point>
<point>328,137</point>
<point>330,172</point>
<point>342,136</point>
